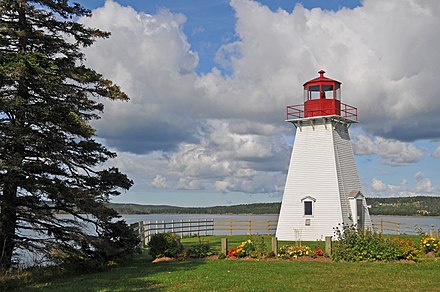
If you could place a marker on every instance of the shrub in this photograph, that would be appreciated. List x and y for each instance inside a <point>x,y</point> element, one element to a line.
<point>165,244</point>
<point>408,249</point>
<point>428,244</point>
<point>200,250</point>
<point>355,246</point>
<point>260,248</point>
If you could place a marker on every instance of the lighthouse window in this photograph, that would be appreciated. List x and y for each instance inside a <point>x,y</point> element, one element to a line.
<point>314,92</point>
<point>308,208</point>
<point>327,91</point>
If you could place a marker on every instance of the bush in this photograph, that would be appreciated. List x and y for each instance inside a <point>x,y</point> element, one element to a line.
<point>200,250</point>
<point>428,244</point>
<point>408,249</point>
<point>165,244</point>
<point>355,246</point>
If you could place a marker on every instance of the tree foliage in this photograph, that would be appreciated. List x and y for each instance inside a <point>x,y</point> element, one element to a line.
<point>49,159</point>
<point>405,206</point>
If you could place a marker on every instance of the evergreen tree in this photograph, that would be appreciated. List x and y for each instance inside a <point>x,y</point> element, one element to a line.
<point>49,159</point>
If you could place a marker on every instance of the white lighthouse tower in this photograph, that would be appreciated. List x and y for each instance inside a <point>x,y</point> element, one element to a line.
<point>322,188</point>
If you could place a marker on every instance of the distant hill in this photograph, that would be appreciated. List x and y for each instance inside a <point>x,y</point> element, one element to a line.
<point>403,206</point>
<point>258,208</point>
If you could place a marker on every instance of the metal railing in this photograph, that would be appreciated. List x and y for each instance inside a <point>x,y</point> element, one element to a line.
<point>297,112</point>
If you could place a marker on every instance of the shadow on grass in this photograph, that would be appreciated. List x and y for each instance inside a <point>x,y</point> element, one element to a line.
<point>138,275</point>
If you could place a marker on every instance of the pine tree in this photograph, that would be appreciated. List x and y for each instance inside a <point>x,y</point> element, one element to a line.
<point>50,161</point>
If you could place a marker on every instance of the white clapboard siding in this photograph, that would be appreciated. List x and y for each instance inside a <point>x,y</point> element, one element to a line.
<point>322,167</point>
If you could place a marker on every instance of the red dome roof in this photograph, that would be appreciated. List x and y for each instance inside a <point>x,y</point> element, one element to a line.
<point>321,79</point>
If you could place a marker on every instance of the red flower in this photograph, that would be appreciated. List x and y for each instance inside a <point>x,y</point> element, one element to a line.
<point>319,252</point>
<point>232,252</point>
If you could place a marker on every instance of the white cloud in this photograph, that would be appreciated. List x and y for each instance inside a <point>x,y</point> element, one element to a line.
<point>229,161</point>
<point>390,151</point>
<point>381,188</point>
<point>437,151</point>
<point>159,182</point>
<point>189,184</point>
<point>422,187</point>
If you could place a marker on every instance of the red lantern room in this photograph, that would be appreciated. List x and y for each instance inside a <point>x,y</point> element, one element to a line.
<point>322,97</point>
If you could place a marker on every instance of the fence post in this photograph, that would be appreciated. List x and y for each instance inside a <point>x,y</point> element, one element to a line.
<point>181,228</point>
<point>140,231</point>
<point>381,226</point>
<point>275,245</point>
<point>250,227</point>
<point>148,224</point>
<point>145,233</point>
<point>189,232</point>
<point>398,228</point>
<point>212,226</point>
<point>328,245</point>
<point>224,249</point>
<point>172,226</point>
<point>230,227</point>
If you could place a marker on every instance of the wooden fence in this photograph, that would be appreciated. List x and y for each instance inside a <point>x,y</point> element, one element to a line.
<point>390,227</point>
<point>249,226</point>
<point>146,229</point>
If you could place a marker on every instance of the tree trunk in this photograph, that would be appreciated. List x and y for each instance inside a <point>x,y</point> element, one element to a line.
<point>8,222</point>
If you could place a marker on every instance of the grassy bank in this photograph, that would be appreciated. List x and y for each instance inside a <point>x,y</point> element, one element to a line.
<point>241,275</point>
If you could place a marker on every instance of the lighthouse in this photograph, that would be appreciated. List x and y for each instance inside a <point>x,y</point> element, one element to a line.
<point>322,189</point>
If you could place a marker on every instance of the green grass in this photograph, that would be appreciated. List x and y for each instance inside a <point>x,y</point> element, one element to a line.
<point>240,275</point>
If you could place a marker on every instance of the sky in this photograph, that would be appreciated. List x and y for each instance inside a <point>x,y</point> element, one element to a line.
<point>209,82</point>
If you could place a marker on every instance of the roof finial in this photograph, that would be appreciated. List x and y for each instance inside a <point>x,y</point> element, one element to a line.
<point>321,73</point>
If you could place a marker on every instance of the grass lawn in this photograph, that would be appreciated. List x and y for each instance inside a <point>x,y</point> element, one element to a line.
<point>243,275</point>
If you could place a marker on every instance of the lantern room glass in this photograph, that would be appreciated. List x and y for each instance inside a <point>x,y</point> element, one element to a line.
<point>325,91</point>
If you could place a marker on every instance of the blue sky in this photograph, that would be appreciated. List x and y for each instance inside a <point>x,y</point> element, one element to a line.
<point>209,82</point>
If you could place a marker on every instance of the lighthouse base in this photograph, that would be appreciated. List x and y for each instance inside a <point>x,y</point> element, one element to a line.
<point>322,190</point>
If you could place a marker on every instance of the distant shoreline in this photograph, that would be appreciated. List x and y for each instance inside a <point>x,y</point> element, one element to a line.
<point>422,206</point>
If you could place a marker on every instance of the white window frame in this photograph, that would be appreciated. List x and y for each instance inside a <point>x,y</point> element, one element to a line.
<point>308,199</point>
